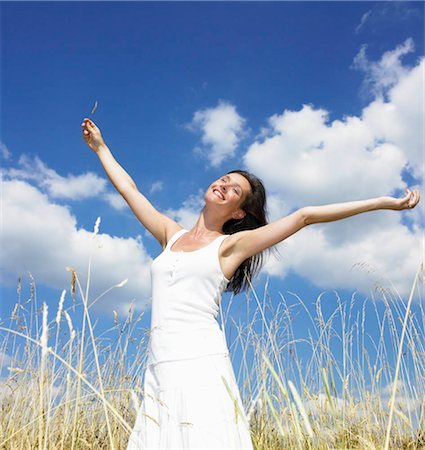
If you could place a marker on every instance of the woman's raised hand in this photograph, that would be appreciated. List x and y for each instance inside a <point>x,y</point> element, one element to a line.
<point>409,201</point>
<point>92,135</point>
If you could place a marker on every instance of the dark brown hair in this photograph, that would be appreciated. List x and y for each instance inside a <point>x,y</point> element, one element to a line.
<point>255,207</point>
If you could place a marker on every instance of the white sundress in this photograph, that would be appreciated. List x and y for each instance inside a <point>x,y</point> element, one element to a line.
<point>191,397</point>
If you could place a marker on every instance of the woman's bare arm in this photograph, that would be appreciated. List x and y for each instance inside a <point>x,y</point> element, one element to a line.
<point>158,224</point>
<point>244,244</point>
<point>337,211</point>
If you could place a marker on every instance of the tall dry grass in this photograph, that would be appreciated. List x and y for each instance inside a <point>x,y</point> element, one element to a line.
<point>326,382</point>
<point>308,381</point>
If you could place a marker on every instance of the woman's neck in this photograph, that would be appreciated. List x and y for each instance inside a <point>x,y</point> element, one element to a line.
<point>207,225</point>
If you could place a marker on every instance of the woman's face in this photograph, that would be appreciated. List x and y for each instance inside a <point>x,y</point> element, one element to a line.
<point>230,189</point>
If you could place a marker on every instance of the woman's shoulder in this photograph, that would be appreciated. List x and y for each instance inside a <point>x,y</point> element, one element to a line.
<point>170,230</point>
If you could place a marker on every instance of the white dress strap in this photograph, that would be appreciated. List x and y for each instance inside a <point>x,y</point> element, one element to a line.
<point>220,239</point>
<point>174,238</point>
<point>216,244</point>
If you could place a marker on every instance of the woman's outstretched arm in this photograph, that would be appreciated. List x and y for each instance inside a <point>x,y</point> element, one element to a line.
<point>116,173</point>
<point>158,224</point>
<point>337,211</point>
<point>244,244</point>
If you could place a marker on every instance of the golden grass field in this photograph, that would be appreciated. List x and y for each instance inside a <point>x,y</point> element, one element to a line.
<point>69,389</point>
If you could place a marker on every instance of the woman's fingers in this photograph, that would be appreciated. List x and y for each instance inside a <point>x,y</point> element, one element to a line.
<point>413,198</point>
<point>91,134</point>
<point>409,198</point>
<point>90,122</point>
<point>85,128</point>
<point>417,196</point>
<point>87,121</point>
<point>91,126</point>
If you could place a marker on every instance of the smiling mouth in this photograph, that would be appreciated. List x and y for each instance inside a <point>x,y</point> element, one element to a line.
<point>218,193</point>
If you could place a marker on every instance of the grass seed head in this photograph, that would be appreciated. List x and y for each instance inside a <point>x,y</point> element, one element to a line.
<point>71,329</point>
<point>44,331</point>
<point>60,307</point>
<point>96,227</point>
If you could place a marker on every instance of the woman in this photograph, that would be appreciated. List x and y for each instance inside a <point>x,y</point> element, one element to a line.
<point>191,398</point>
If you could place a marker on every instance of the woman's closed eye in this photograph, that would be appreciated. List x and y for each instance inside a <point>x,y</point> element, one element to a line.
<point>224,179</point>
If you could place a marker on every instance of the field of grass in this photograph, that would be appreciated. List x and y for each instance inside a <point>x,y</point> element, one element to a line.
<point>328,385</point>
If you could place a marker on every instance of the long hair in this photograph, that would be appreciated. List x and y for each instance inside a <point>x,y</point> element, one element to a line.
<point>255,207</point>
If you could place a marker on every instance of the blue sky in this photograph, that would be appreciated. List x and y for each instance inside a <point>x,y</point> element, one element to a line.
<point>322,100</point>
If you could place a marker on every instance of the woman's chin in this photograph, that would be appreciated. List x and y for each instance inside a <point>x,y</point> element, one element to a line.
<point>210,196</point>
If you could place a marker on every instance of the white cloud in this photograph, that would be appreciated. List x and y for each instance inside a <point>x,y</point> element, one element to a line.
<point>70,187</point>
<point>222,128</point>
<point>16,391</point>
<point>5,153</point>
<point>6,390</point>
<point>43,238</point>
<point>377,254</point>
<point>277,207</point>
<point>115,200</point>
<point>306,160</point>
<point>188,213</point>
<point>384,13</point>
<point>401,119</point>
<point>320,402</point>
<point>5,360</point>
<point>156,187</point>
<point>385,73</point>
<point>363,20</point>
<point>407,400</point>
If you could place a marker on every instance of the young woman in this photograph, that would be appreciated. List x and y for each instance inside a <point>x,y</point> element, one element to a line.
<point>191,398</point>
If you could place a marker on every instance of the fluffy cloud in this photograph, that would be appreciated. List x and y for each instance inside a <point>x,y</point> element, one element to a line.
<point>16,389</point>
<point>43,238</point>
<point>320,402</point>
<point>222,128</point>
<point>277,207</point>
<point>71,187</point>
<point>406,402</point>
<point>384,13</point>
<point>407,399</point>
<point>356,253</point>
<point>400,120</point>
<point>4,151</point>
<point>385,73</point>
<point>5,360</point>
<point>115,200</point>
<point>188,213</point>
<point>363,20</point>
<point>307,160</point>
<point>156,187</point>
